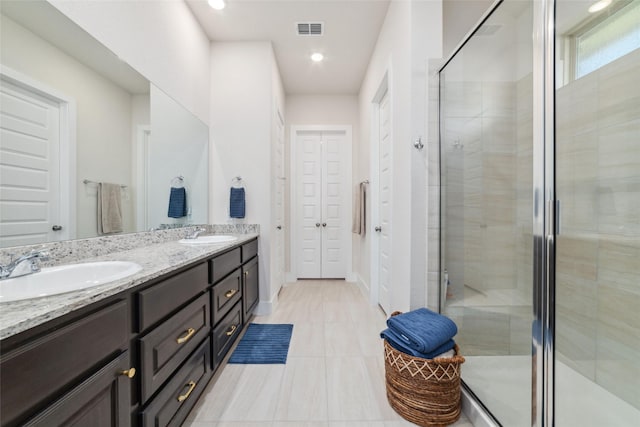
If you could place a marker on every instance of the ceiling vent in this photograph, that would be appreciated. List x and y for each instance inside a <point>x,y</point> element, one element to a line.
<point>487,30</point>
<point>310,28</point>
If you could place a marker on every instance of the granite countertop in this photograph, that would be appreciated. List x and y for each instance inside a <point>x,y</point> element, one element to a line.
<point>156,260</point>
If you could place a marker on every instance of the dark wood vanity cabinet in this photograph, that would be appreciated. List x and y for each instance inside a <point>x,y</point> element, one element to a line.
<point>250,284</point>
<point>142,357</point>
<point>70,371</point>
<point>100,401</point>
<point>234,294</point>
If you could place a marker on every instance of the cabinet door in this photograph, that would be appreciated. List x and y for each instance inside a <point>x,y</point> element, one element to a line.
<point>37,373</point>
<point>250,284</point>
<point>101,400</point>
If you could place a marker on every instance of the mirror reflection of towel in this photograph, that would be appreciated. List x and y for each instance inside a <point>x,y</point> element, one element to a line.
<point>177,203</point>
<point>236,202</point>
<point>109,208</point>
<point>359,210</point>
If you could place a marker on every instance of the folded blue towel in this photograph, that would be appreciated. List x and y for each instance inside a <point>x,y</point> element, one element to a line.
<point>177,203</point>
<point>236,203</point>
<point>396,342</point>
<point>422,330</point>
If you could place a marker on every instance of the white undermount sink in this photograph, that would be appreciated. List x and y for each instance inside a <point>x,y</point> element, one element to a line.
<point>209,240</point>
<point>65,278</point>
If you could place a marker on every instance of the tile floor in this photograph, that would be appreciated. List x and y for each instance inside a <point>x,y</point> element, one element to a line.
<point>334,376</point>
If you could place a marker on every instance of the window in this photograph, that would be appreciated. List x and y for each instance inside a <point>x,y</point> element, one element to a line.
<point>609,40</point>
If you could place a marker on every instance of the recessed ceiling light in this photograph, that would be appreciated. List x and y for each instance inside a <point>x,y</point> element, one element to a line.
<point>598,6</point>
<point>217,4</point>
<point>317,57</point>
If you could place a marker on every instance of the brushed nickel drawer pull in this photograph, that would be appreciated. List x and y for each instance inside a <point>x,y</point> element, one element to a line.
<point>231,293</point>
<point>183,339</point>
<point>183,397</point>
<point>232,330</point>
<point>129,373</point>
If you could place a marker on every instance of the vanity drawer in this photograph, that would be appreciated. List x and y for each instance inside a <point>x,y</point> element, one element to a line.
<point>225,264</point>
<point>249,250</point>
<point>226,333</point>
<point>34,374</point>
<point>172,405</point>
<point>226,294</point>
<point>165,348</point>
<point>161,299</point>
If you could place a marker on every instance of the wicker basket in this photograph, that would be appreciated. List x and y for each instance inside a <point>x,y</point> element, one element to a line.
<point>423,391</point>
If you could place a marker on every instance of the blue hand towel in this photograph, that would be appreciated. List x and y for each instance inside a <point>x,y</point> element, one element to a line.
<point>236,203</point>
<point>177,203</point>
<point>396,342</point>
<point>422,330</point>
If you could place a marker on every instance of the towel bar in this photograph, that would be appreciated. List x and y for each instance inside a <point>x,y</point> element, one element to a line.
<point>88,181</point>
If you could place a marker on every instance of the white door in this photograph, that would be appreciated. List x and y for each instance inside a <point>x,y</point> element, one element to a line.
<point>383,229</point>
<point>322,190</point>
<point>309,204</point>
<point>333,193</point>
<point>278,270</point>
<point>29,168</point>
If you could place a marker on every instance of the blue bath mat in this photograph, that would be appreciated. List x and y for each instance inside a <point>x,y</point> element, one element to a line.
<point>263,344</point>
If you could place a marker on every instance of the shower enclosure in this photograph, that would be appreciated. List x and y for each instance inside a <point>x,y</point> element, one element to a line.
<point>540,211</point>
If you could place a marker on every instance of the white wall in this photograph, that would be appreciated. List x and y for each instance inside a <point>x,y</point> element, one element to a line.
<point>404,46</point>
<point>459,17</point>
<point>104,118</point>
<point>318,110</point>
<point>244,93</point>
<point>160,39</point>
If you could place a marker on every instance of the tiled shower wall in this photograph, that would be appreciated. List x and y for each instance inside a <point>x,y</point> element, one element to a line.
<point>487,178</point>
<point>598,249</point>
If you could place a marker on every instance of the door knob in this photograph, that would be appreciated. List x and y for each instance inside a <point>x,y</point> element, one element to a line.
<point>378,229</point>
<point>56,228</point>
<point>324,224</point>
<point>317,224</point>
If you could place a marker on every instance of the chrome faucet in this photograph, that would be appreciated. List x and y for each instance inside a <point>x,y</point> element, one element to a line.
<point>195,233</point>
<point>26,264</point>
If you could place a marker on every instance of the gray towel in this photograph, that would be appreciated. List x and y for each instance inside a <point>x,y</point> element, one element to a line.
<point>109,208</point>
<point>359,210</point>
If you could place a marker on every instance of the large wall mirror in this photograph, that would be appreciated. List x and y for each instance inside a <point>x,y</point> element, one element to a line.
<point>73,115</point>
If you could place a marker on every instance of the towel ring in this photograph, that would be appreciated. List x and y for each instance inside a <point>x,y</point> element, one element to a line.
<point>178,181</point>
<point>237,182</point>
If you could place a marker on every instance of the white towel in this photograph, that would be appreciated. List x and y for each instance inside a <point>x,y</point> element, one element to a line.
<point>447,354</point>
<point>359,210</point>
<point>109,208</point>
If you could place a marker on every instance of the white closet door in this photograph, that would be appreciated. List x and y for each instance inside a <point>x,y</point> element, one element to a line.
<point>309,201</point>
<point>333,202</point>
<point>384,232</point>
<point>29,166</point>
<point>278,256</point>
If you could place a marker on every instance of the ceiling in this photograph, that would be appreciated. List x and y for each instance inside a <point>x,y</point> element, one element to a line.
<point>351,29</point>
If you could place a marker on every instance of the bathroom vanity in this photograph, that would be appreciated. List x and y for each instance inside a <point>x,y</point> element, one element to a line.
<point>137,352</point>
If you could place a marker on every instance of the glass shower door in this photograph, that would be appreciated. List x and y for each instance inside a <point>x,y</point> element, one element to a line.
<point>597,138</point>
<point>486,113</point>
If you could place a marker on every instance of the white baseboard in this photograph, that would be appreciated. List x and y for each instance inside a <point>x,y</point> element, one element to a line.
<point>290,277</point>
<point>265,308</point>
<point>351,277</point>
<point>363,286</point>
